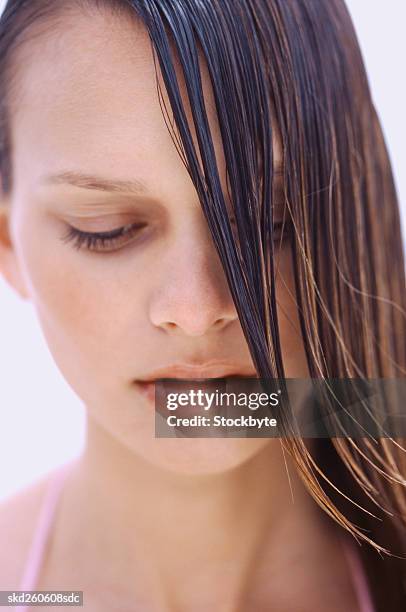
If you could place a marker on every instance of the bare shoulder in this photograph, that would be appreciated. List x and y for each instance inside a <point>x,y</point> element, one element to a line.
<point>18,516</point>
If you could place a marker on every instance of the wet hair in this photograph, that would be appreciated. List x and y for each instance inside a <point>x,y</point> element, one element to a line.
<point>293,67</point>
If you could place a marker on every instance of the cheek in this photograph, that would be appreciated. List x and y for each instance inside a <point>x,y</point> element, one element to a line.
<point>87,310</point>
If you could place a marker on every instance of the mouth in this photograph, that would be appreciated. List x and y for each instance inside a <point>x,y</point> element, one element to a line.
<point>193,372</point>
<point>147,388</point>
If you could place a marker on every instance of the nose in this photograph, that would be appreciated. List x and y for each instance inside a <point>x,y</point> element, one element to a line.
<point>191,296</point>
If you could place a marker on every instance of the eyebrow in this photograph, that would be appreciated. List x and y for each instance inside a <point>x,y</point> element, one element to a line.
<point>89,181</point>
<point>97,183</point>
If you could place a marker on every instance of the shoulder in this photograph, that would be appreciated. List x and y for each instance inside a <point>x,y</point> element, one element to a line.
<point>18,517</point>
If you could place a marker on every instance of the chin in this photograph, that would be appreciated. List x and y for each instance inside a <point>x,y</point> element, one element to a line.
<point>130,434</point>
<point>201,456</point>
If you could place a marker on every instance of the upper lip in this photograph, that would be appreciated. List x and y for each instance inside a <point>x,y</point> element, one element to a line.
<point>214,369</point>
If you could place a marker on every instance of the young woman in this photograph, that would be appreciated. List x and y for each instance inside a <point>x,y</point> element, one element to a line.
<point>201,189</point>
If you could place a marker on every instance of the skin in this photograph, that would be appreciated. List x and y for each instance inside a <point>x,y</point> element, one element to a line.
<point>111,318</point>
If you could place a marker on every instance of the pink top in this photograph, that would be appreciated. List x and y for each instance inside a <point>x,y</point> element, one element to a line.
<point>45,520</point>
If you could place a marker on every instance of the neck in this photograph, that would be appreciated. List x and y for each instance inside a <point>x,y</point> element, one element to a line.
<point>174,533</point>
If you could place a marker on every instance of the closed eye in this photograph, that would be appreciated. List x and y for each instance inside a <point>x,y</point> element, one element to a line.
<point>103,241</point>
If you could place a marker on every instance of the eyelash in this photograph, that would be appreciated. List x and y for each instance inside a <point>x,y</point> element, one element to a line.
<point>98,241</point>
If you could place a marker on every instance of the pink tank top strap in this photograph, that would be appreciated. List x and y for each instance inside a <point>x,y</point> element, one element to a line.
<point>41,532</point>
<point>358,576</point>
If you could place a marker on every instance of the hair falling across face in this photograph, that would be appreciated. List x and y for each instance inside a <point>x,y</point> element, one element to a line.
<point>183,198</point>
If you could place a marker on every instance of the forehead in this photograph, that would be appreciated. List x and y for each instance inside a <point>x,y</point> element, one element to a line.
<point>86,99</point>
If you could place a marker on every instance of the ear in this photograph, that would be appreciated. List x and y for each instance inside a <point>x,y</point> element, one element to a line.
<point>10,267</point>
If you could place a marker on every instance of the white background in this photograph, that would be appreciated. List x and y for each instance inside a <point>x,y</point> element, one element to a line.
<point>41,420</point>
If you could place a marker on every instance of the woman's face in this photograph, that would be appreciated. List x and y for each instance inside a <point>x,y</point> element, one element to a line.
<point>91,150</point>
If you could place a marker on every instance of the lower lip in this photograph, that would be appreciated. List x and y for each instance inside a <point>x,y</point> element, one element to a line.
<point>147,389</point>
